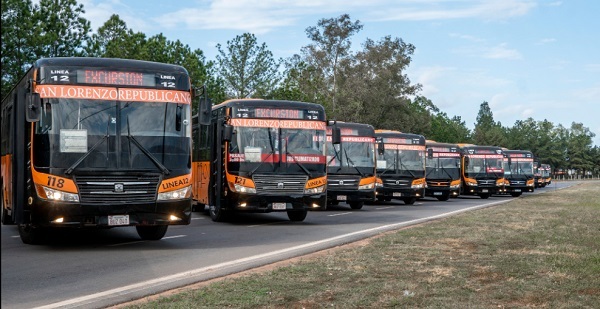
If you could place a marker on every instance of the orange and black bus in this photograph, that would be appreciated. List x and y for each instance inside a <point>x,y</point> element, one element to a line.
<point>518,172</point>
<point>481,170</point>
<point>400,166</point>
<point>351,164</point>
<point>93,142</point>
<point>545,174</point>
<point>442,170</point>
<point>261,156</point>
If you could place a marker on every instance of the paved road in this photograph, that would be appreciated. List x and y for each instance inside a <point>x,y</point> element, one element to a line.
<point>98,268</point>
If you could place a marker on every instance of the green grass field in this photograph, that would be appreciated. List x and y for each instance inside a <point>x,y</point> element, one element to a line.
<point>538,251</point>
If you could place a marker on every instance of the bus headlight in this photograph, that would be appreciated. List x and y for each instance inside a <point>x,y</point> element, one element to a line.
<point>175,194</point>
<point>417,186</point>
<point>243,189</point>
<point>472,183</point>
<point>56,195</point>
<point>454,187</point>
<point>367,186</point>
<point>315,190</point>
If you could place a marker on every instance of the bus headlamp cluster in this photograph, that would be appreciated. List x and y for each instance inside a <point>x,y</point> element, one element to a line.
<point>315,190</point>
<point>367,186</point>
<point>454,187</point>
<point>175,195</point>
<point>472,183</point>
<point>417,186</point>
<point>57,195</point>
<point>242,189</point>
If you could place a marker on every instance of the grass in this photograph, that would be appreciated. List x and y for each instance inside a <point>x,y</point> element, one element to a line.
<point>536,251</point>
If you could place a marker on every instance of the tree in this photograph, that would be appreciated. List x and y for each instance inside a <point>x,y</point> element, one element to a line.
<point>332,43</point>
<point>487,131</point>
<point>18,32</point>
<point>248,69</point>
<point>115,40</point>
<point>63,30</point>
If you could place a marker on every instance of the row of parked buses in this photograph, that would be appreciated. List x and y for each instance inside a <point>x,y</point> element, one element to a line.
<point>92,142</point>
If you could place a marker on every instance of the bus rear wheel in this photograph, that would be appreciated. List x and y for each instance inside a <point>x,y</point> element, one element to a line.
<point>484,195</point>
<point>443,198</point>
<point>151,232</point>
<point>515,194</point>
<point>356,205</point>
<point>297,215</point>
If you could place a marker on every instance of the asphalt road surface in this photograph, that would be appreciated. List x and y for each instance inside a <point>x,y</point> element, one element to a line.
<point>99,268</point>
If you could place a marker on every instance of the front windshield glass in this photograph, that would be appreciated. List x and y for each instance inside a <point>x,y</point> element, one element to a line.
<point>70,128</point>
<point>358,154</point>
<point>482,164</point>
<point>403,161</point>
<point>443,167</point>
<point>518,168</point>
<point>263,149</point>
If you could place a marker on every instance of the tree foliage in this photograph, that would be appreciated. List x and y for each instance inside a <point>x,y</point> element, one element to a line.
<point>247,68</point>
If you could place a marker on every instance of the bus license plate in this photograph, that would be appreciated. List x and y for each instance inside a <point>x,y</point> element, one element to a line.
<point>341,197</point>
<point>397,194</point>
<point>484,190</point>
<point>118,220</point>
<point>517,190</point>
<point>437,193</point>
<point>279,206</point>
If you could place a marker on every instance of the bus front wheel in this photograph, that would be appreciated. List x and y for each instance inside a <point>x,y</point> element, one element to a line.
<point>217,213</point>
<point>484,195</point>
<point>410,200</point>
<point>152,232</point>
<point>356,205</point>
<point>30,234</point>
<point>297,215</point>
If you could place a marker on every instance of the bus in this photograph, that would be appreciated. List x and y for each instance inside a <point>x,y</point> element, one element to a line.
<point>351,164</point>
<point>442,170</point>
<point>97,142</point>
<point>518,172</point>
<point>400,166</point>
<point>481,170</point>
<point>261,156</point>
<point>545,174</point>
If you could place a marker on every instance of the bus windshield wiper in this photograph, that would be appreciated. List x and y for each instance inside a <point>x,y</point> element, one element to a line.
<point>152,158</point>
<point>406,167</point>
<point>270,154</point>
<point>287,153</point>
<point>353,165</point>
<point>74,165</point>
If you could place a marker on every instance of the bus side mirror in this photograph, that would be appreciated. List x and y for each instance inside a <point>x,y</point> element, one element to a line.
<point>509,161</point>
<point>430,153</point>
<point>178,118</point>
<point>380,148</point>
<point>204,110</point>
<point>336,136</point>
<point>33,102</point>
<point>466,160</point>
<point>227,133</point>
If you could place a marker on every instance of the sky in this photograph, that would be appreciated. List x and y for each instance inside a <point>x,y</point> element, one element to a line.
<point>526,58</point>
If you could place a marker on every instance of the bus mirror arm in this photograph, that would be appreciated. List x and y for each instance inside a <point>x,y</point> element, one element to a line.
<point>33,102</point>
<point>380,148</point>
<point>336,136</point>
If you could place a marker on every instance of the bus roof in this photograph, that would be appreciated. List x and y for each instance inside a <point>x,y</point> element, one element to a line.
<point>114,63</point>
<point>268,103</point>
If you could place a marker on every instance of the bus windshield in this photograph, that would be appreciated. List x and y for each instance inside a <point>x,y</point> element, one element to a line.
<point>112,134</point>
<point>443,167</point>
<point>263,149</point>
<point>481,165</point>
<point>518,168</point>
<point>405,162</point>
<point>358,154</point>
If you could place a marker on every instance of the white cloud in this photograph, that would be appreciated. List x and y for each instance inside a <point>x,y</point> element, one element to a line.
<point>546,41</point>
<point>467,37</point>
<point>502,52</point>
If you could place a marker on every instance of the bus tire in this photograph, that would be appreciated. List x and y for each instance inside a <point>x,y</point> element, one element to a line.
<point>356,205</point>
<point>409,200</point>
<point>297,215</point>
<point>151,232</point>
<point>197,207</point>
<point>515,194</point>
<point>30,234</point>
<point>217,214</point>
<point>443,198</point>
<point>484,195</point>
<point>6,218</point>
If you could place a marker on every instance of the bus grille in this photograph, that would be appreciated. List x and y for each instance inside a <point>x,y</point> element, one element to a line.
<point>396,183</point>
<point>342,182</point>
<point>486,182</point>
<point>117,189</point>
<point>438,183</point>
<point>279,184</point>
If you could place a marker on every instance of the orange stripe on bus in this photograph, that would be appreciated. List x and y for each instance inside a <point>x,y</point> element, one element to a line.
<point>109,93</point>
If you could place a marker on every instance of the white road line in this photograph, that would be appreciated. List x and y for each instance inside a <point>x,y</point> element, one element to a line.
<point>198,218</point>
<point>380,208</point>
<point>194,272</point>
<point>139,241</point>
<point>340,214</point>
